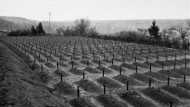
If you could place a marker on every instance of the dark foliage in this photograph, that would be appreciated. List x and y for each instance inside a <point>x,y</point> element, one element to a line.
<point>33,30</point>
<point>40,29</point>
<point>28,32</point>
<point>153,30</point>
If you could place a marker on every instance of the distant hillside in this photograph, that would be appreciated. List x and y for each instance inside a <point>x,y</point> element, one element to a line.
<point>113,26</point>
<point>102,26</point>
<point>6,25</point>
<point>18,20</point>
<point>26,23</point>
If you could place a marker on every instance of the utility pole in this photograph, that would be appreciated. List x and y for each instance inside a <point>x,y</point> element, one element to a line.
<point>49,20</point>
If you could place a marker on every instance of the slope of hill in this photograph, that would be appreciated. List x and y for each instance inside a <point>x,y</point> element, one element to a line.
<point>18,20</point>
<point>6,25</point>
<point>26,23</point>
<point>20,86</point>
<point>102,26</point>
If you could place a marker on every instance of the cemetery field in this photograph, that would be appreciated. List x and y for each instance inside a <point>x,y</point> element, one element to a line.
<point>88,72</point>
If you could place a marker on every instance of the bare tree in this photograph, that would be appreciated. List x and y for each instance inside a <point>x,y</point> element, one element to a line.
<point>182,30</point>
<point>82,26</point>
<point>167,34</point>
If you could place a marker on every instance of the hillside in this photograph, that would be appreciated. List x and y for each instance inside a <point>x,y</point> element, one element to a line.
<point>26,23</point>
<point>6,25</point>
<point>20,86</point>
<point>102,26</point>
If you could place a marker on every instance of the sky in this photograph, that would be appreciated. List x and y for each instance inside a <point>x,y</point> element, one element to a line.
<point>96,9</point>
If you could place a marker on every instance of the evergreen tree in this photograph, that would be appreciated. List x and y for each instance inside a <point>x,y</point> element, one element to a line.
<point>153,30</point>
<point>33,30</point>
<point>40,29</point>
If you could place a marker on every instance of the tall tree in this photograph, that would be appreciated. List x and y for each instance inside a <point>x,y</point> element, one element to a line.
<point>40,29</point>
<point>153,30</point>
<point>33,30</point>
<point>182,29</point>
<point>82,26</point>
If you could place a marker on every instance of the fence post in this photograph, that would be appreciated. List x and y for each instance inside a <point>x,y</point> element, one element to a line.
<point>127,85</point>
<point>78,92</point>
<point>171,103</point>
<point>57,66</point>
<point>83,74</point>
<point>149,82</point>
<point>120,70</point>
<point>184,78</point>
<point>103,72</point>
<point>104,88</point>
<point>61,77</point>
<point>168,80</point>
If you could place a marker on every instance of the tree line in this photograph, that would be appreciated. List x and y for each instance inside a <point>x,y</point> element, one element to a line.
<point>81,27</point>
<point>33,31</point>
<point>166,37</point>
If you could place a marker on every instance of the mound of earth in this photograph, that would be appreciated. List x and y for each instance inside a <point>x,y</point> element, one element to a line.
<point>20,86</point>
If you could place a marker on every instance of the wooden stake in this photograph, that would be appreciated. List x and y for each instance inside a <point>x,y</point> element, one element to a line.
<point>168,80</point>
<point>184,78</point>
<point>57,65</point>
<point>78,92</point>
<point>171,103</point>
<point>103,71</point>
<point>61,77</point>
<point>72,63</point>
<point>149,82</point>
<point>104,88</point>
<point>83,74</point>
<point>112,61</point>
<point>120,70</point>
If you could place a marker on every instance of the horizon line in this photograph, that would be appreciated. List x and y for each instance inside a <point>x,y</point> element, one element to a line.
<point>98,19</point>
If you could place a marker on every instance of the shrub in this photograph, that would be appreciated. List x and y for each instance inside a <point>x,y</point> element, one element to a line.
<point>176,42</point>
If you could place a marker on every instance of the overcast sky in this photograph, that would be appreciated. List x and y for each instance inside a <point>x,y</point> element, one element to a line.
<point>96,9</point>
